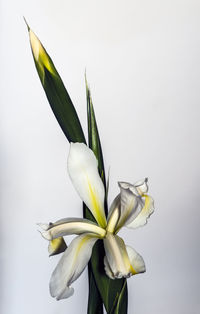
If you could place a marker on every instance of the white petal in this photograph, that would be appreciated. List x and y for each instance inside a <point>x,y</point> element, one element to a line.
<point>83,171</point>
<point>43,226</point>
<point>69,226</point>
<point>128,186</point>
<point>71,265</point>
<point>136,260</point>
<point>116,257</point>
<point>56,246</point>
<point>145,213</point>
<point>68,292</point>
<point>113,220</point>
<point>107,268</point>
<point>115,204</point>
<point>115,207</point>
<point>142,186</point>
<point>131,204</point>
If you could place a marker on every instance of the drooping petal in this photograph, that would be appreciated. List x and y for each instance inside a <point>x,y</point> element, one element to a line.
<point>145,213</point>
<point>83,171</point>
<point>108,270</point>
<point>136,260</point>
<point>71,265</point>
<point>69,226</point>
<point>117,263</point>
<point>56,246</point>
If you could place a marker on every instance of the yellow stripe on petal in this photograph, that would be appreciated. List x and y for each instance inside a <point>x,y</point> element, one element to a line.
<point>145,213</point>
<point>85,239</point>
<point>130,204</point>
<point>117,257</point>
<point>72,226</point>
<point>83,171</point>
<point>56,246</point>
<point>113,220</point>
<point>136,261</point>
<point>71,266</point>
<point>97,208</point>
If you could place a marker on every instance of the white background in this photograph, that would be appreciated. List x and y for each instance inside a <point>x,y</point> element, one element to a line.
<point>143,65</point>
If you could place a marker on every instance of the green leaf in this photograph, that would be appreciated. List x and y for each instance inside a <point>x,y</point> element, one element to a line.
<point>113,292</point>
<point>122,304</point>
<point>95,305</point>
<point>56,92</point>
<point>94,139</point>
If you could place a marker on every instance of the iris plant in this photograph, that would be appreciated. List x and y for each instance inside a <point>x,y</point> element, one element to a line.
<point>131,208</point>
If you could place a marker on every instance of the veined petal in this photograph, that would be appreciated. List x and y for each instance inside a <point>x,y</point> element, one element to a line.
<point>136,260</point>
<point>71,265</point>
<point>83,171</point>
<point>130,204</point>
<point>117,263</point>
<point>69,226</point>
<point>145,213</point>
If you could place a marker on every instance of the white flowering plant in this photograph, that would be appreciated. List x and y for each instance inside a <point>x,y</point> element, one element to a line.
<point>97,243</point>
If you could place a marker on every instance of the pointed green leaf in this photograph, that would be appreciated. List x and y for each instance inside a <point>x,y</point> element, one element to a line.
<point>56,92</point>
<point>94,139</point>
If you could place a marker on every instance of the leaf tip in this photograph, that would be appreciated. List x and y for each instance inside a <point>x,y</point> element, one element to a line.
<point>26,24</point>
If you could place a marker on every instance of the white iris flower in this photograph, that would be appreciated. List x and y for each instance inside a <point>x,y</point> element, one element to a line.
<point>131,208</point>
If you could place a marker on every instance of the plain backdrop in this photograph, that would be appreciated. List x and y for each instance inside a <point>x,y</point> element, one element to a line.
<point>143,66</point>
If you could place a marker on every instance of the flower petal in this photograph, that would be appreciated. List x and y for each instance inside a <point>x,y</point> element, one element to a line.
<point>117,263</point>
<point>69,226</point>
<point>142,186</point>
<point>107,268</point>
<point>56,246</point>
<point>145,213</point>
<point>136,260</point>
<point>71,265</point>
<point>83,171</point>
<point>113,220</point>
<point>131,204</point>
